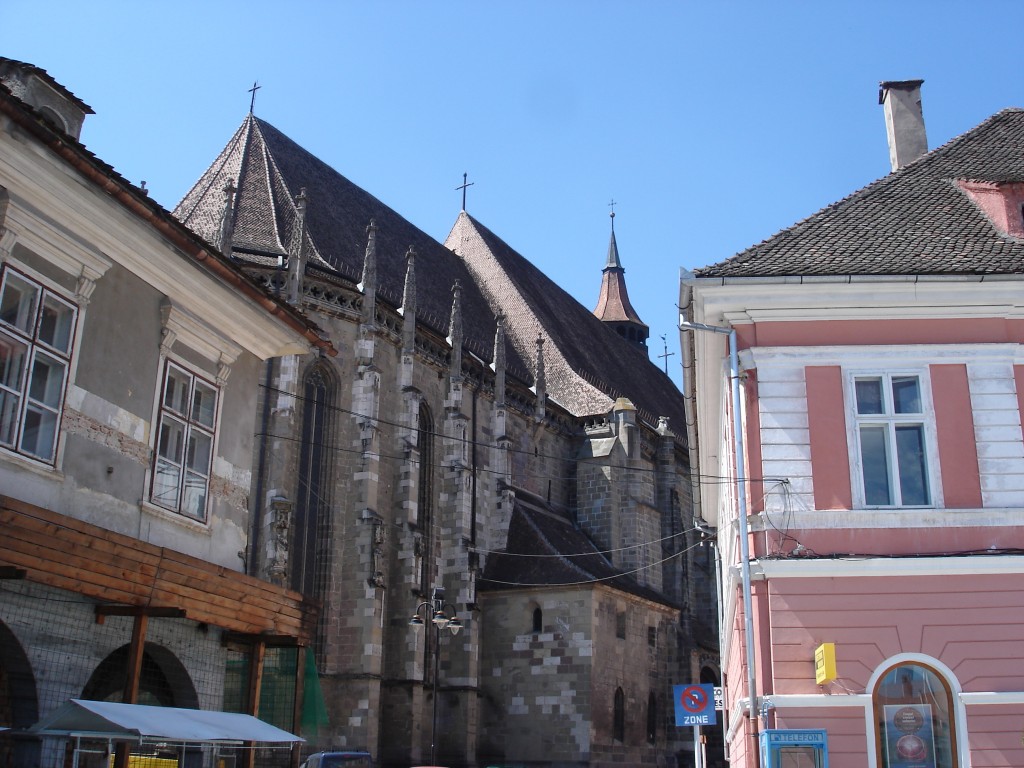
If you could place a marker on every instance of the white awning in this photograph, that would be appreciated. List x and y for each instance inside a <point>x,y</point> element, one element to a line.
<point>139,722</point>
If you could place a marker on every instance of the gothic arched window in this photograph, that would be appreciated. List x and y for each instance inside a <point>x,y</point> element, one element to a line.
<point>538,620</point>
<point>425,493</point>
<point>310,554</point>
<point>915,717</point>
<point>652,718</point>
<point>619,718</point>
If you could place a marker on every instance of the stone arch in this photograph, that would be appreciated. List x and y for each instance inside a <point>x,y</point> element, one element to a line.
<point>915,706</point>
<point>537,618</point>
<point>163,681</point>
<point>19,700</point>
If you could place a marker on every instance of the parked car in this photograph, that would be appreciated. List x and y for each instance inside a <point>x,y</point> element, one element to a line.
<point>343,759</point>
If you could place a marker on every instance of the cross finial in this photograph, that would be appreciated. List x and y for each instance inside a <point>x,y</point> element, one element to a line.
<point>463,188</point>
<point>666,354</point>
<point>252,102</point>
<point>612,206</point>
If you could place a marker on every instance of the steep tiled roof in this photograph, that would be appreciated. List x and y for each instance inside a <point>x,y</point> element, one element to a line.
<point>138,203</point>
<point>914,221</point>
<point>587,365</point>
<point>270,170</point>
<point>545,549</point>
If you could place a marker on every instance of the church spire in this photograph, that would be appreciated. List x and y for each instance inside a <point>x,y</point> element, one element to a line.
<point>455,331</point>
<point>540,385</point>
<point>613,305</point>
<point>409,302</point>
<point>227,221</point>
<point>368,285</point>
<point>499,360</point>
<point>297,251</point>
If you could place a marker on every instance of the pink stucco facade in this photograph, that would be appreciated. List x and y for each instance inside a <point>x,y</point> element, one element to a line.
<point>856,387</point>
<point>937,586</point>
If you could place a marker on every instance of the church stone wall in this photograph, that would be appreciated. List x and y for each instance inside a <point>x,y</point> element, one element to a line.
<point>503,691</point>
<point>536,699</point>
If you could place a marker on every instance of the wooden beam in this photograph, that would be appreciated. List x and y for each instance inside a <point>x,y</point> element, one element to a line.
<point>133,675</point>
<point>112,568</point>
<point>256,659</point>
<point>269,640</point>
<point>102,611</point>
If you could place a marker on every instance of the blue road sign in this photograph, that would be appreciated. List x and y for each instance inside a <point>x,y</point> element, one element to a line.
<point>694,704</point>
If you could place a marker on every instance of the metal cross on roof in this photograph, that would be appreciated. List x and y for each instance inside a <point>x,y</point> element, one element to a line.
<point>612,206</point>
<point>252,102</point>
<point>666,354</point>
<point>463,188</point>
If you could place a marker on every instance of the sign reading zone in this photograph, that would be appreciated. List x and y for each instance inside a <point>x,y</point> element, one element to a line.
<point>694,704</point>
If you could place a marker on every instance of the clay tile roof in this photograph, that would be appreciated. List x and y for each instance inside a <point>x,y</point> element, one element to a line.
<point>587,365</point>
<point>557,553</point>
<point>270,170</point>
<point>915,221</point>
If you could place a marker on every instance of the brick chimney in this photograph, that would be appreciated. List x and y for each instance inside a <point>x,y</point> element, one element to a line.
<point>904,120</point>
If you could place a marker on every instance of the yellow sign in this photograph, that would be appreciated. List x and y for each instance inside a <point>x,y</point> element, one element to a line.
<point>825,663</point>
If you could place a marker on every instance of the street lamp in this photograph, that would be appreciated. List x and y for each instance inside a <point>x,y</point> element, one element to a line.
<point>442,616</point>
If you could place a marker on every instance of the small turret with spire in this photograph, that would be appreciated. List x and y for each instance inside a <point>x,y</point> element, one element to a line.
<point>613,305</point>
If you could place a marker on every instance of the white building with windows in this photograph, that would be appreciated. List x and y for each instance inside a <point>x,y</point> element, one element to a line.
<point>874,515</point>
<point>130,353</point>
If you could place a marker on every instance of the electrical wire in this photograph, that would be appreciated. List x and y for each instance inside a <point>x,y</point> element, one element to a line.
<point>707,479</point>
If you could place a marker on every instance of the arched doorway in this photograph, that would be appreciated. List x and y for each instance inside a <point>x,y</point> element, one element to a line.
<point>19,702</point>
<point>914,713</point>
<point>164,681</point>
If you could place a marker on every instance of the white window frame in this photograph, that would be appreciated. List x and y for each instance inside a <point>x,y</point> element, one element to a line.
<point>890,421</point>
<point>19,384</point>
<point>190,426</point>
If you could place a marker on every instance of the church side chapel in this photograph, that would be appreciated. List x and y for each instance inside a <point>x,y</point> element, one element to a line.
<point>486,491</point>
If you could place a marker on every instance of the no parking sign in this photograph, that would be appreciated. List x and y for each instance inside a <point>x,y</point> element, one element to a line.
<point>694,704</point>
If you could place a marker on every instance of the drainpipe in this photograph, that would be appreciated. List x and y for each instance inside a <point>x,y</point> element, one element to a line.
<point>741,497</point>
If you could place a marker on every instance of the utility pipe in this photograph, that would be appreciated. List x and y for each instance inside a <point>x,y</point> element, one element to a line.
<point>741,497</point>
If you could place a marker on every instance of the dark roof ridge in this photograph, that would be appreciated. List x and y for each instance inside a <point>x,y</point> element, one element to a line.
<point>930,168</point>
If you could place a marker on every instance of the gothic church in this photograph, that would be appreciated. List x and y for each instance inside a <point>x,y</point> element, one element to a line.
<point>483,451</point>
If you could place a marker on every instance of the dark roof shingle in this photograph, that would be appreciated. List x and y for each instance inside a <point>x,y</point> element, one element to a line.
<point>915,221</point>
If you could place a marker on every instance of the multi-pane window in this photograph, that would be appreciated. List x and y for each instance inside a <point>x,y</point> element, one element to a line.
<point>37,330</point>
<point>184,448</point>
<point>891,437</point>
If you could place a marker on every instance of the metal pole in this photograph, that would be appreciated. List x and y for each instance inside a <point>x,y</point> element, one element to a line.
<point>741,493</point>
<point>741,499</point>
<point>433,726</point>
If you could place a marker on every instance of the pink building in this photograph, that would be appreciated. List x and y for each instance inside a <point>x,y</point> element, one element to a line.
<point>868,363</point>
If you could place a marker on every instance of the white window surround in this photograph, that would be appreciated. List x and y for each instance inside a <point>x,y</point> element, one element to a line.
<point>888,420</point>
<point>180,325</point>
<point>42,236</point>
<point>958,717</point>
<point>926,418</point>
<point>185,430</point>
<point>39,338</point>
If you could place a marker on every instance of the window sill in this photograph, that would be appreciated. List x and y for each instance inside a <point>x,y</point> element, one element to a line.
<point>190,523</point>
<point>48,471</point>
<point>888,517</point>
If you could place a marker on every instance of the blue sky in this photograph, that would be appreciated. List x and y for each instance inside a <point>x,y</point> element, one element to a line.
<point>712,125</point>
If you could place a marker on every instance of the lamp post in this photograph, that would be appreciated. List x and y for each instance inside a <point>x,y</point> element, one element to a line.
<point>443,617</point>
